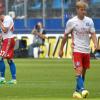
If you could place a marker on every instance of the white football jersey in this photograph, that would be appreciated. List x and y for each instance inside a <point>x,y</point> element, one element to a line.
<point>9,24</point>
<point>80,30</point>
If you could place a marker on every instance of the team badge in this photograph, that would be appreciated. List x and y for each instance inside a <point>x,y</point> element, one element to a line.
<point>87,24</point>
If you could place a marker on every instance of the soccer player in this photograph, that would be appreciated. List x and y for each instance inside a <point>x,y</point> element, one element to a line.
<point>80,28</point>
<point>7,48</point>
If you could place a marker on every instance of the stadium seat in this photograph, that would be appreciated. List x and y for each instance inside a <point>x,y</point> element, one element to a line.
<point>36,5</point>
<point>19,24</point>
<point>95,1</point>
<point>56,4</point>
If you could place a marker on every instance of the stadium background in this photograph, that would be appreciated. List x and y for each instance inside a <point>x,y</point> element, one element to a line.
<point>53,14</point>
<point>47,79</point>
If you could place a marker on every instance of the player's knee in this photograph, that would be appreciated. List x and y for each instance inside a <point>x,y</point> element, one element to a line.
<point>9,61</point>
<point>78,70</point>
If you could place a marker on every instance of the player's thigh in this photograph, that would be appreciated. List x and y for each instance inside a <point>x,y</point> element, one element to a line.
<point>11,48</point>
<point>3,47</point>
<point>11,43</point>
<point>86,61</point>
<point>8,48</point>
<point>77,62</point>
<point>10,54</point>
<point>8,44</point>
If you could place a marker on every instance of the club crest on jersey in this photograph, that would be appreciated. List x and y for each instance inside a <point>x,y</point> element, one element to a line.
<point>87,24</point>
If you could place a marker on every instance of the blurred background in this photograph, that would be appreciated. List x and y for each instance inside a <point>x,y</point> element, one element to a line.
<point>46,10</point>
<point>48,79</point>
<point>53,14</point>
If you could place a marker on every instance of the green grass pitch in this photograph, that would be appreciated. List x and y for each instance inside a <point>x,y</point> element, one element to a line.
<point>48,79</point>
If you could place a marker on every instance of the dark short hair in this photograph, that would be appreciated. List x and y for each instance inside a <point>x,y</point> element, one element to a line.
<point>36,26</point>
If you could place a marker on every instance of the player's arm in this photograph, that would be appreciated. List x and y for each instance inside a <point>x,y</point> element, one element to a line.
<point>93,34</point>
<point>6,25</point>
<point>62,45</point>
<point>94,39</point>
<point>68,30</point>
<point>4,29</point>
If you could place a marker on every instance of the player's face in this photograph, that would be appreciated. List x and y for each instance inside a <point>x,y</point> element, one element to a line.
<point>81,12</point>
<point>1,8</point>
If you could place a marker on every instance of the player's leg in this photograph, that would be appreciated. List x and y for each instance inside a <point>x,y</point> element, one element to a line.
<point>83,73</point>
<point>9,57</point>
<point>2,64</point>
<point>13,71</point>
<point>79,83</point>
<point>85,92</point>
<point>86,65</point>
<point>79,80</point>
<point>2,71</point>
<point>77,59</point>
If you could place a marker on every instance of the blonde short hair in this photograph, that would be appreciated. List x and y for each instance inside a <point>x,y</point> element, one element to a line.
<point>81,4</point>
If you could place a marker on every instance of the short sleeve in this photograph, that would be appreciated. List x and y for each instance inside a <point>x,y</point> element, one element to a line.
<point>92,28</point>
<point>7,22</point>
<point>69,27</point>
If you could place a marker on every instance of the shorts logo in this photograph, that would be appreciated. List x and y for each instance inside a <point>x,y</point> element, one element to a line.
<point>77,63</point>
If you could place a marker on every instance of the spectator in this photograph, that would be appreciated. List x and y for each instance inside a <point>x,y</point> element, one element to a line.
<point>38,39</point>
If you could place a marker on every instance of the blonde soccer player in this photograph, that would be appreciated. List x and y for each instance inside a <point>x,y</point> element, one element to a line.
<point>80,28</point>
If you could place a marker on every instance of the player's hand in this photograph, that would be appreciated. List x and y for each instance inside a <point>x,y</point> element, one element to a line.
<point>3,53</point>
<point>60,53</point>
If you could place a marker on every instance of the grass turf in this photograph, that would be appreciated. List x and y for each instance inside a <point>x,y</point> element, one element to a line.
<point>48,79</point>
